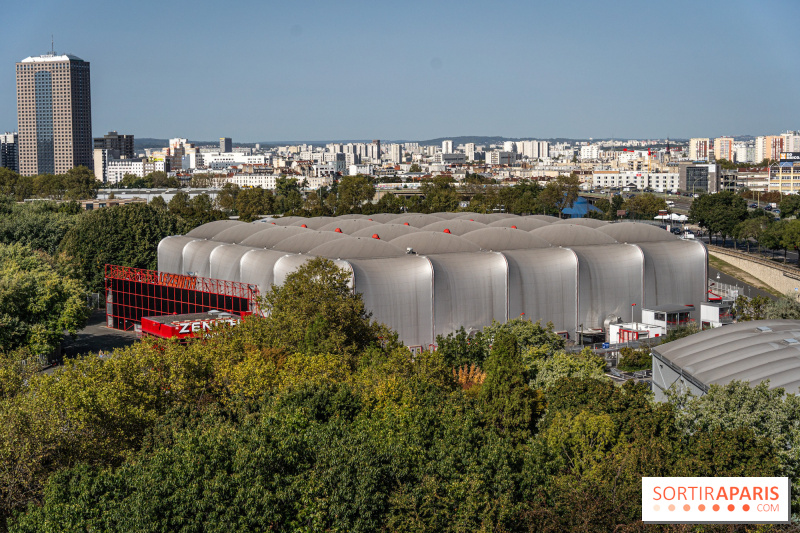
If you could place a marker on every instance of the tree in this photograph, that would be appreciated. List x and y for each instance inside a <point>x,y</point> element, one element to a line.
<point>752,228</point>
<point>719,213</point>
<point>287,195</point>
<point>37,303</point>
<point>253,202</point>
<point>353,192</point>
<point>790,236</point>
<point>750,308</point>
<point>158,203</point>
<point>226,198</point>
<point>632,360</point>
<point>559,193</point>
<point>125,235</point>
<point>315,311</point>
<point>787,307</point>
<point>790,206</point>
<point>644,206</point>
<point>40,225</point>
<point>414,168</point>
<point>509,404</point>
<point>584,364</point>
<point>772,237</point>
<point>440,194</point>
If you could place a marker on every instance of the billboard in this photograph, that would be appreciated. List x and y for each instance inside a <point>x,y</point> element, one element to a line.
<point>790,156</point>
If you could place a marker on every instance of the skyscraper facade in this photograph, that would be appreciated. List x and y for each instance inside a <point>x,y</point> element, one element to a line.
<point>8,151</point>
<point>114,141</point>
<point>225,145</point>
<point>54,109</point>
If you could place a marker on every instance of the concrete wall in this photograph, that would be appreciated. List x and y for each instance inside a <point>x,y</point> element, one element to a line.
<point>782,279</point>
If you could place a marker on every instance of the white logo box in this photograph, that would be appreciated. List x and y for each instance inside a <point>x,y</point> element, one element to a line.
<point>716,500</point>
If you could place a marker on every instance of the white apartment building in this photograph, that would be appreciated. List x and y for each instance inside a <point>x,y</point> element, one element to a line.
<point>447,147</point>
<point>330,169</point>
<point>265,181</point>
<point>510,146</point>
<point>396,153</point>
<point>450,159</point>
<point>360,169</point>
<point>498,157</point>
<point>116,169</point>
<point>590,152</point>
<point>658,181</point>
<point>699,148</point>
<point>220,161</point>
<point>723,148</point>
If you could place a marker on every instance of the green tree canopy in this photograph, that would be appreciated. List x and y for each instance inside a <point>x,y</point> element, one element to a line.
<point>37,302</point>
<point>126,235</point>
<point>719,213</point>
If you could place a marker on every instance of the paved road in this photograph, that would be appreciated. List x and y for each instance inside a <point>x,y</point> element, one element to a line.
<point>96,336</point>
<point>746,289</point>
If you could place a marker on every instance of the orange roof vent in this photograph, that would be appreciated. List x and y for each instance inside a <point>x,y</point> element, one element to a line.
<point>303,226</point>
<point>446,230</point>
<point>513,227</point>
<point>338,230</point>
<point>376,236</point>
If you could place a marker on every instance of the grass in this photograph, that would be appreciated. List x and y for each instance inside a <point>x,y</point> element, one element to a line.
<point>740,274</point>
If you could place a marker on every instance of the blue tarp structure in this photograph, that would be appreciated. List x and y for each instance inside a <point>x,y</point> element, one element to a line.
<point>579,208</point>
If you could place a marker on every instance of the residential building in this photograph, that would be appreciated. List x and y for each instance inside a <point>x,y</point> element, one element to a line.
<point>500,157</point>
<point>768,147</point>
<point>698,149</point>
<point>123,144</point>
<point>657,181</point>
<point>374,151</point>
<point>723,148</point>
<point>590,152</point>
<point>225,144</point>
<point>54,109</point>
<point>791,141</point>
<point>396,153</point>
<point>9,157</point>
<point>447,147</point>
<point>116,169</point>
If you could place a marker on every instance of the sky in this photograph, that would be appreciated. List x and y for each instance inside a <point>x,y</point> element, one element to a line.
<point>266,71</point>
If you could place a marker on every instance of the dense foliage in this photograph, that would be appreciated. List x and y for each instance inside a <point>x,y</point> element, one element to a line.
<point>312,419</point>
<point>78,183</point>
<point>38,303</point>
<point>119,235</point>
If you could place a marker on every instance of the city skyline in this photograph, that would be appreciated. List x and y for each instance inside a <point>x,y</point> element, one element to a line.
<point>353,71</point>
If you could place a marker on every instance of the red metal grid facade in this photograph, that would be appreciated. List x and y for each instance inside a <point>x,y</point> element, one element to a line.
<point>134,293</point>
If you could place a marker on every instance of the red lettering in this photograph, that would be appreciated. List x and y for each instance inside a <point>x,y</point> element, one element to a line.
<point>657,490</point>
<point>693,491</point>
<point>673,493</point>
<point>709,495</point>
<point>774,492</point>
<point>757,493</point>
<point>721,494</point>
<point>681,493</point>
<point>745,495</point>
<point>733,492</point>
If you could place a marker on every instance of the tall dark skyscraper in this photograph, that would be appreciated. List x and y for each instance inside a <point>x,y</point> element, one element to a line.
<point>54,109</point>
<point>8,151</point>
<point>114,141</point>
<point>225,145</point>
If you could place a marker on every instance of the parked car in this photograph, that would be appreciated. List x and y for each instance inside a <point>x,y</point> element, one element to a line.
<point>753,205</point>
<point>767,208</point>
<point>776,211</point>
<point>676,231</point>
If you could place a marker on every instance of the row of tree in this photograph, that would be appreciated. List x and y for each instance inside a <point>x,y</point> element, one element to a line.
<point>78,183</point>
<point>314,419</point>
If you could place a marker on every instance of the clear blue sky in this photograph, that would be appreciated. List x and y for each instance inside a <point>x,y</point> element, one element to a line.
<point>272,71</point>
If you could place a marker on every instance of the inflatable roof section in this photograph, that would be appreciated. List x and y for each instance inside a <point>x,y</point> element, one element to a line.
<point>434,242</point>
<point>498,239</point>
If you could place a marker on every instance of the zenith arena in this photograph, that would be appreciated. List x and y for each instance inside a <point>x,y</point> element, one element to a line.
<point>427,275</point>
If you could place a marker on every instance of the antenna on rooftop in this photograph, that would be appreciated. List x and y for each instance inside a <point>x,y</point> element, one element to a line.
<point>52,45</point>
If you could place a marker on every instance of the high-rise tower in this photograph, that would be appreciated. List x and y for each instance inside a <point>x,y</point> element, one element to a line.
<point>54,109</point>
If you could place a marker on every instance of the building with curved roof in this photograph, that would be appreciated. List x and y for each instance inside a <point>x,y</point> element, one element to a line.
<point>424,282</point>
<point>746,351</point>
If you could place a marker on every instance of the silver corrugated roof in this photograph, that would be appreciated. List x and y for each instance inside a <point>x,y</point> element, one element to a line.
<point>505,239</point>
<point>357,248</point>
<point>588,222</point>
<point>636,232</point>
<point>431,242</point>
<point>572,235</point>
<point>211,229</point>
<point>523,223</point>
<point>746,351</point>
<point>457,226</point>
